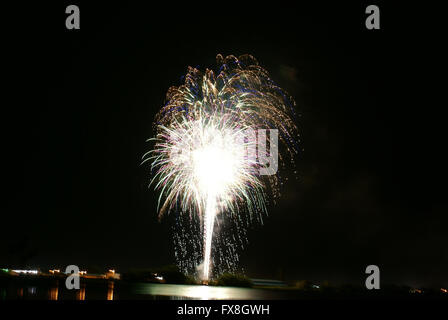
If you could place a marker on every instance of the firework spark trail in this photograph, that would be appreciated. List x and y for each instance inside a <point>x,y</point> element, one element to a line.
<point>208,227</point>
<point>200,157</point>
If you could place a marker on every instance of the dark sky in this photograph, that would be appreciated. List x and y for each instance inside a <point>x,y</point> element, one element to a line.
<point>79,105</point>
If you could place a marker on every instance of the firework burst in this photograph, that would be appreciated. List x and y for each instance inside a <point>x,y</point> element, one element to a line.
<point>203,157</point>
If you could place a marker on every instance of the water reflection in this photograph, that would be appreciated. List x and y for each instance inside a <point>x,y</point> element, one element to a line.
<point>110,290</point>
<point>53,292</point>
<point>32,291</point>
<point>81,294</point>
<point>200,292</point>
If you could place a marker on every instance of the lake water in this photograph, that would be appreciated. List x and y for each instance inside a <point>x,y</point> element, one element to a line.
<point>109,290</point>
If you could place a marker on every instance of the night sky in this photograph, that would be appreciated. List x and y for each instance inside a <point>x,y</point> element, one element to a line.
<point>79,105</point>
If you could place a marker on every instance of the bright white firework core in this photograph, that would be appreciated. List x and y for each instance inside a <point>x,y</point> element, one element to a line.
<point>215,166</point>
<point>217,160</point>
